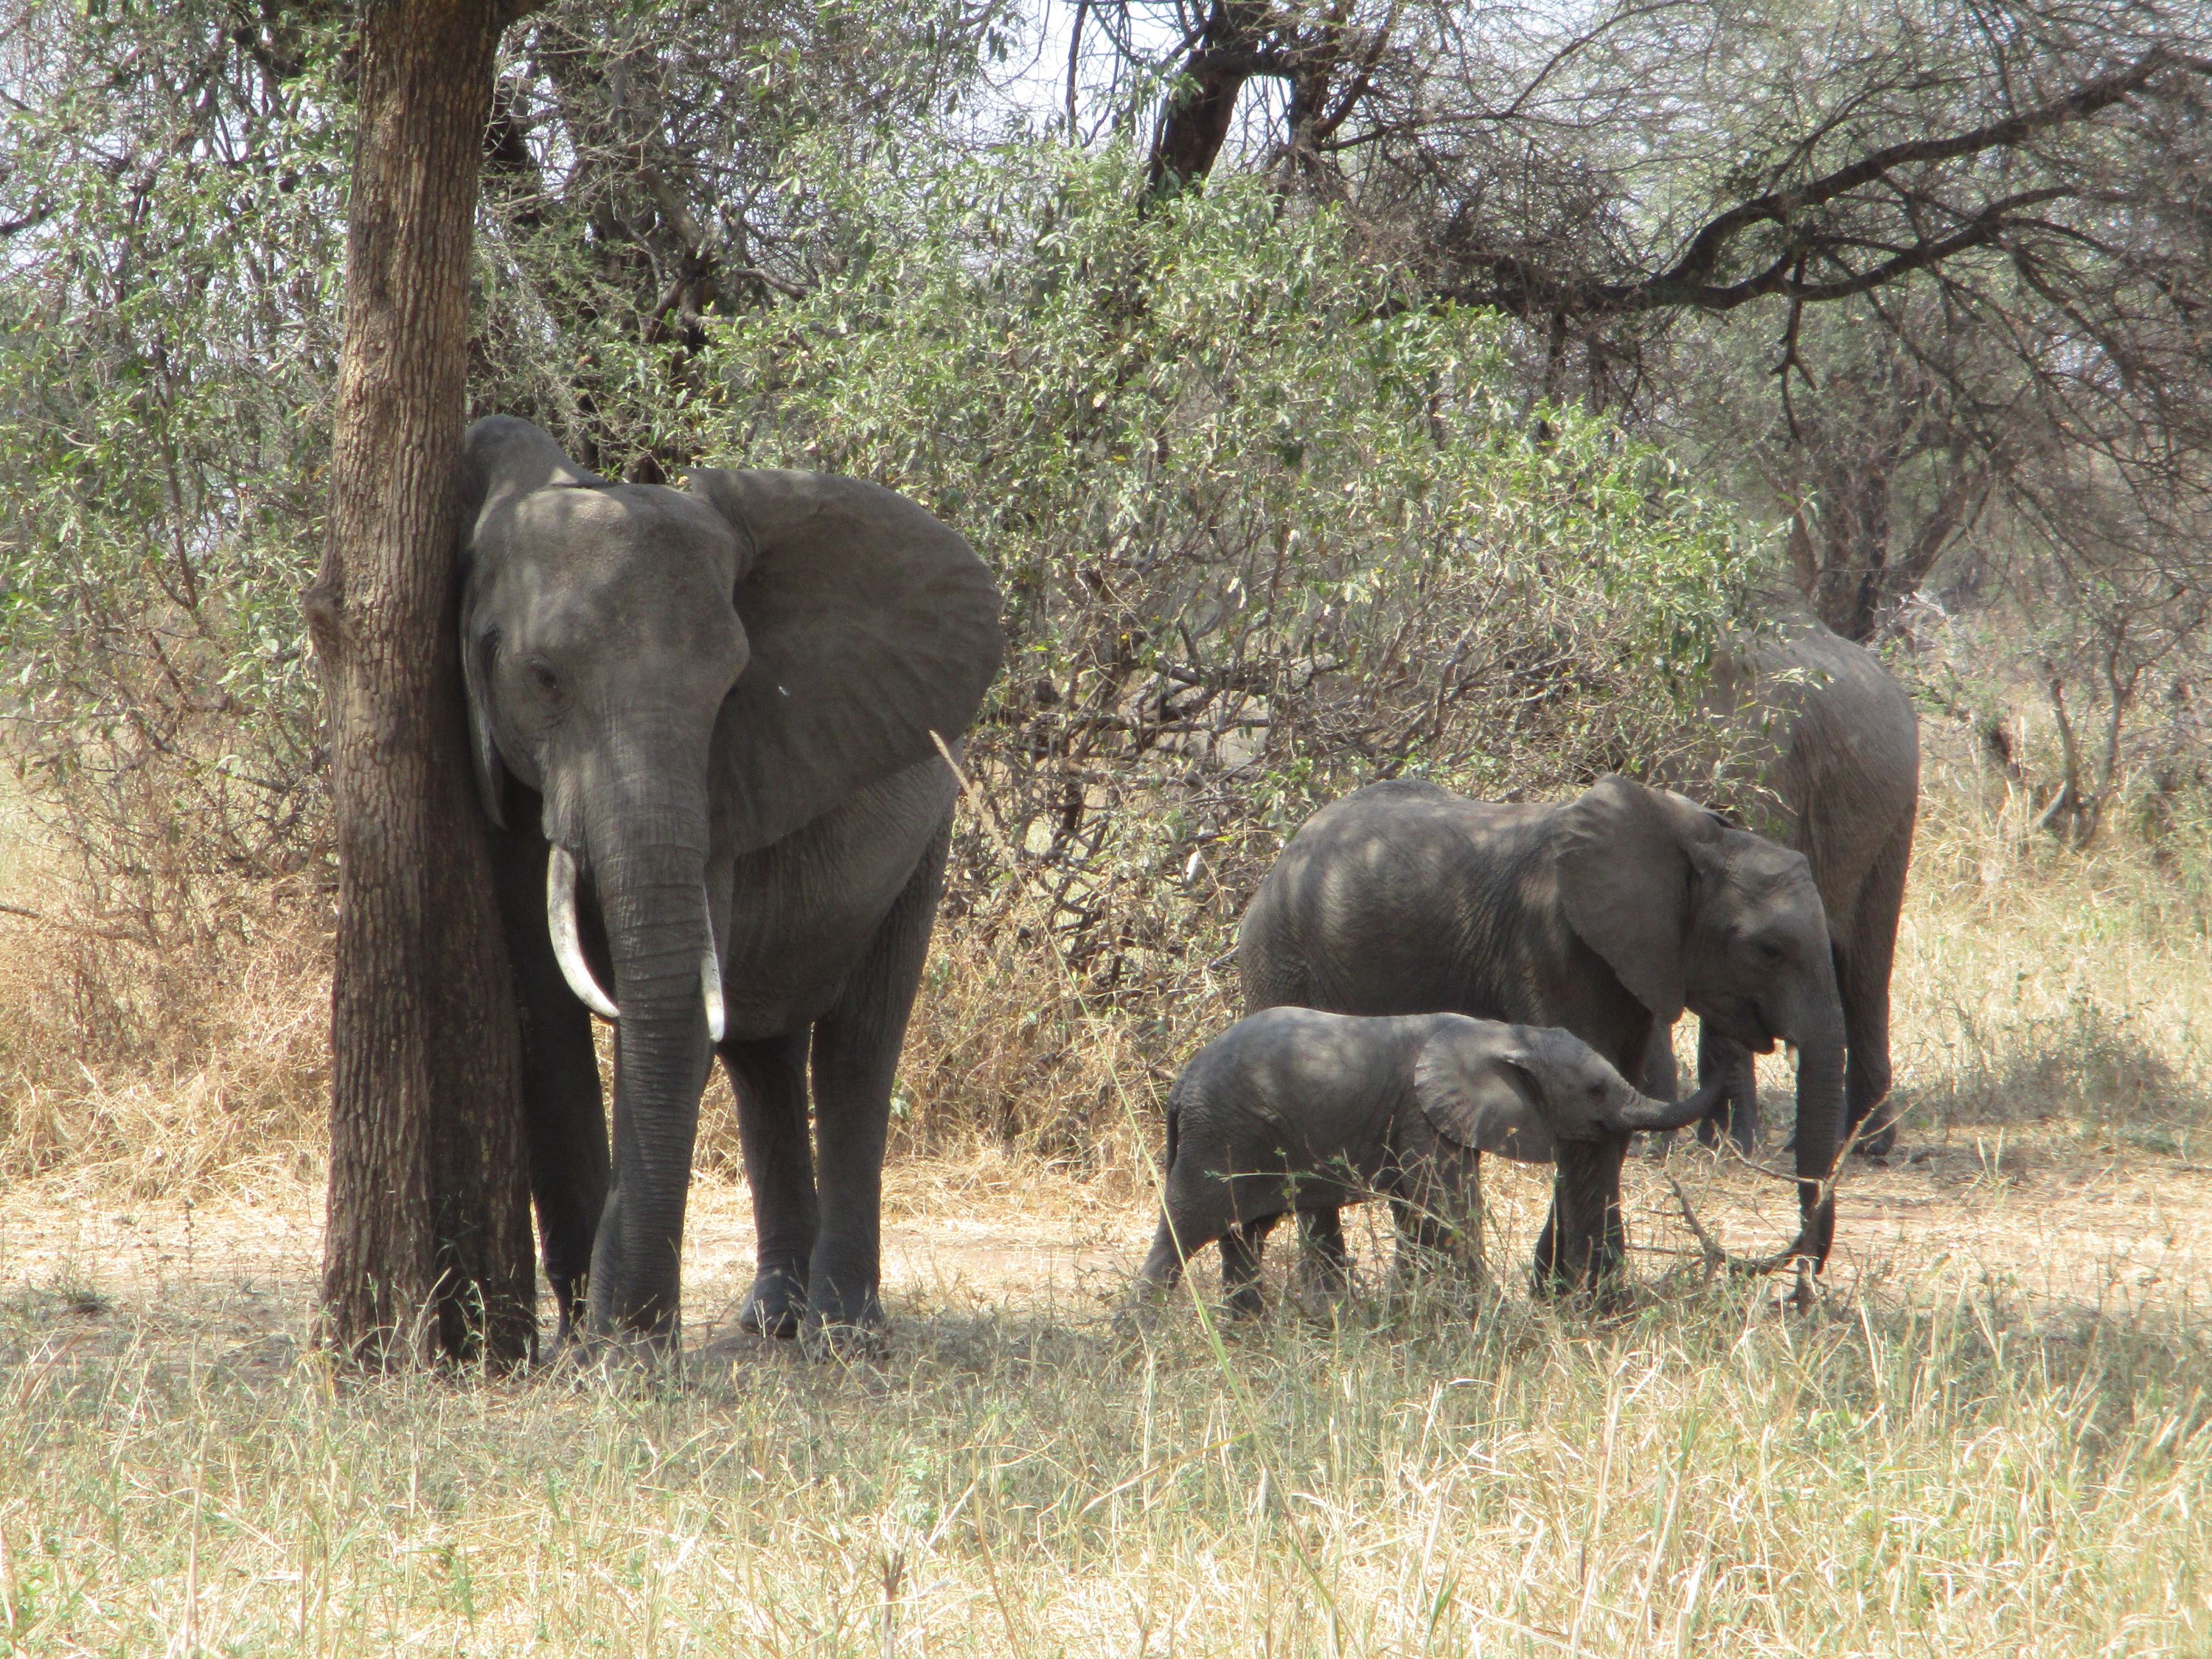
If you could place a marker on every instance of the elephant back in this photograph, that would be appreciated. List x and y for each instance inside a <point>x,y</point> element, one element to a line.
<point>1371,908</point>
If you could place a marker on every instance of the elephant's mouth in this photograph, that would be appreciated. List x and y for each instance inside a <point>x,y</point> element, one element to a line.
<point>1741,1021</point>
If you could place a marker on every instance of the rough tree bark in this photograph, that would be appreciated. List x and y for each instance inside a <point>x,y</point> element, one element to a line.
<point>428,1248</point>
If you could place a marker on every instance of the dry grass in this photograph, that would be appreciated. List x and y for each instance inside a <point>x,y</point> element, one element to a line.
<point>1938,1465</point>
<point>143,1058</point>
<point>1994,1434</point>
<point>2039,986</point>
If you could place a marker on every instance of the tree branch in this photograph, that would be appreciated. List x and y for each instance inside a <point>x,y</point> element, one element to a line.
<point>1524,289</point>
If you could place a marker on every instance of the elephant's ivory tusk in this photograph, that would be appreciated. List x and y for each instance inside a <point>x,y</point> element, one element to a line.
<point>710,987</point>
<point>568,945</point>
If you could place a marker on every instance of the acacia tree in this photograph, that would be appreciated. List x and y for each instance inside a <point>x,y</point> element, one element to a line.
<point>427,1250</point>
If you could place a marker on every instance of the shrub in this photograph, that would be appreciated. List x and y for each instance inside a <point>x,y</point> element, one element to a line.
<point>1267,530</point>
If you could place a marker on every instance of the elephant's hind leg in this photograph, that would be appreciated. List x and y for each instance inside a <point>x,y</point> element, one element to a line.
<point>1241,1250</point>
<point>1163,1263</point>
<point>1864,981</point>
<point>856,1051</point>
<point>1193,1215</point>
<point>770,1080</point>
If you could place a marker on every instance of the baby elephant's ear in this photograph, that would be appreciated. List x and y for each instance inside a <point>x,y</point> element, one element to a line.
<point>1479,1091</point>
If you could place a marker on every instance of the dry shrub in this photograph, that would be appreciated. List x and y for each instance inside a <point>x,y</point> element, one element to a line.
<point>159,1032</point>
<point>2036,981</point>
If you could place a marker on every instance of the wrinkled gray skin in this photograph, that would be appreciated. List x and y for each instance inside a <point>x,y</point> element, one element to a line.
<point>1606,915</point>
<point>717,701</point>
<point>1292,1110</point>
<point>1836,748</point>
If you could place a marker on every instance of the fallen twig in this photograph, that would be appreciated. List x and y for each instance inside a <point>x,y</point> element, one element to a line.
<point>1716,1257</point>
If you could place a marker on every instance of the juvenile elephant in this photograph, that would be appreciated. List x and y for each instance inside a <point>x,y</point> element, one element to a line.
<point>1293,1109</point>
<point>1606,914</point>
<point>705,723</point>
<point>1835,745</point>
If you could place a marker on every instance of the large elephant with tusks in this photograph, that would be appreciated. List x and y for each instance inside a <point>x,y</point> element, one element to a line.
<point>711,726</point>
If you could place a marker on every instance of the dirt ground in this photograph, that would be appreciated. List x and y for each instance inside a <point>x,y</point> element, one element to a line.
<point>2052,1219</point>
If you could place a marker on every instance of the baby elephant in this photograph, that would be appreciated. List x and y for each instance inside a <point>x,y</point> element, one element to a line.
<point>1291,1108</point>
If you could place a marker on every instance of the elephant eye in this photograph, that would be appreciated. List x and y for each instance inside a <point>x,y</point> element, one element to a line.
<point>542,677</point>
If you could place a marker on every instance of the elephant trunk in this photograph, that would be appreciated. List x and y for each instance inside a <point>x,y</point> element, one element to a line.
<point>1640,1114</point>
<point>1819,1132</point>
<point>649,851</point>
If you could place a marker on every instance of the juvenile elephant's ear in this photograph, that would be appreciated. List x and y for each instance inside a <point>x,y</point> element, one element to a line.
<point>1626,856</point>
<point>872,625</point>
<point>1479,1091</point>
<point>501,457</point>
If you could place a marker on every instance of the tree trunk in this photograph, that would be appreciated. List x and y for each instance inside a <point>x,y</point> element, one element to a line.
<point>427,1253</point>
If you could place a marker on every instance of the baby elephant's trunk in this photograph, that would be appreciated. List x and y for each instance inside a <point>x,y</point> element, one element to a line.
<point>1640,1114</point>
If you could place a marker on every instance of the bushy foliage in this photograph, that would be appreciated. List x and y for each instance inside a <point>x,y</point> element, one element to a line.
<point>1269,525</point>
<point>174,183</point>
<point>1267,529</point>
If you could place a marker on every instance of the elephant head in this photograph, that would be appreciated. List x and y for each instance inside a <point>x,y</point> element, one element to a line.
<point>1519,1091</point>
<point>1690,912</point>
<point>669,678</point>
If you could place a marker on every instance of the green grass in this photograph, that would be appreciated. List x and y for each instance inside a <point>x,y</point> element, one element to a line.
<point>1940,1472</point>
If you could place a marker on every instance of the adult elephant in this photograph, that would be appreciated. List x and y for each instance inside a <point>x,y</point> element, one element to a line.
<point>1608,915</point>
<point>705,722</point>
<point>1834,745</point>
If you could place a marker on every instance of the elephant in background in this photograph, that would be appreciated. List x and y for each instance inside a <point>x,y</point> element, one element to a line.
<point>1606,914</point>
<point>704,722</point>
<point>1293,1109</point>
<point>1834,742</point>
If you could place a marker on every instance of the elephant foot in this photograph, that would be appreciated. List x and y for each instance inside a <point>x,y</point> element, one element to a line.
<point>568,1354</point>
<point>1876,1148</point>
<point>1319,1282</point>
<point>1138,1312</point>
<point>775,1306</point>
<point>849,1340</point>
<point>842,1323</point>
<point>1607,1291</point>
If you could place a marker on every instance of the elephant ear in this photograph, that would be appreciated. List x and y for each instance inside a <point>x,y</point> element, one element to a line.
<point>872,626</point>
<point>1627,857</point>
<point>1479,1090</point>
<point>501,458</point>
<point>484,748</point>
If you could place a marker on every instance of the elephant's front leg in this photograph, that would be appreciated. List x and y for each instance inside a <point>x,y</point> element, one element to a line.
<point>1584,1244</point>
<point>564,1119</point>
<point>1736,1114</point>
<point>856,1051</point>
<point>768,1078</point>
